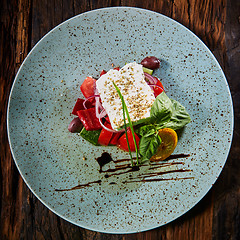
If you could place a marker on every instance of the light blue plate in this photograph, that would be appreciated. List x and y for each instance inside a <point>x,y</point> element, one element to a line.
<point>49,157</point>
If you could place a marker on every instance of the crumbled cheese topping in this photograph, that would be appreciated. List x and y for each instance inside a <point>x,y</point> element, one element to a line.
<point>137,94</point>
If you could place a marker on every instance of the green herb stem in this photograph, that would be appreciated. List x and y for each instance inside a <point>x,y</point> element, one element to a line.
<point>125,126</point>
<point>125,111</point>
<point>133,133</point>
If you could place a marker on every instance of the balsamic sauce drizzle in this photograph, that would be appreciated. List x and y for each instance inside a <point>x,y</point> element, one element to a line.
<point>89,184</point>
<point>157,179</point>
<point>123,168</point>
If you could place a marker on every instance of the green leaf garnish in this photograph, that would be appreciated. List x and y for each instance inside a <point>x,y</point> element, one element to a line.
<point>165,113</point>
<point>148,145</point>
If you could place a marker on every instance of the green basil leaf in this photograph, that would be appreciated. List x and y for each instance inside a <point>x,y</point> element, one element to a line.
<point>179,118</point>
<point>146,129</point>
<point>161,110</point>
<point>148,146</point>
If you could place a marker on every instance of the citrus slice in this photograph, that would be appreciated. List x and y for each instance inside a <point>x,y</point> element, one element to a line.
<point>169,142</point>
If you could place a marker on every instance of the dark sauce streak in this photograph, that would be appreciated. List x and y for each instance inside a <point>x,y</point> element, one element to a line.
<point>161,173</point>
<point>157,180</point>
<point>121,167</point>
<point>106,158</point>
<point>80,186</point>
<point>176,156</point>
<point>165,165</point>
<point>132,169</point>
<point>103,160</point>
<point>123,160</point>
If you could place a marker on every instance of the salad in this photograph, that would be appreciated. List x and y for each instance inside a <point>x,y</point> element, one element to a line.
<point>128,108</point>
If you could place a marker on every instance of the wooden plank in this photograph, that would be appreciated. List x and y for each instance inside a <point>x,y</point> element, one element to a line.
<point>14,48</point>
<point>22,31</point>
<point>226,224</point>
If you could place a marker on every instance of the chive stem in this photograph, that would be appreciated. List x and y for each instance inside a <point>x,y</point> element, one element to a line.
<point>125,126</point>
<point>125,111</point>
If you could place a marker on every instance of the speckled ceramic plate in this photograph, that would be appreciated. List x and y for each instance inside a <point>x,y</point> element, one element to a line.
<point>50,158</point>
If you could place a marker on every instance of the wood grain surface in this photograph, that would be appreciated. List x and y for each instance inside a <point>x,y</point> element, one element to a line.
<point>24,22</point>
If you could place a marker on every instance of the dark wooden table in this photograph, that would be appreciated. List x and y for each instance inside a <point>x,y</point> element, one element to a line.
<point>24,22</point>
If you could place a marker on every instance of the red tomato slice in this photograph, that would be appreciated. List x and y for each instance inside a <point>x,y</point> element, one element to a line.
<point>107,119</point>
<point>89,119</point>
<point>88,87</point>
<point>115,138</point>
<point>79,106</point>
<point>122,141</point>
<point>157,90</point>
<point>105,136</point>
<point>102,72</point>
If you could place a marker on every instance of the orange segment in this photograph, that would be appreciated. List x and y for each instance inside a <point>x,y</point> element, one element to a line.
<point>169,142</point>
